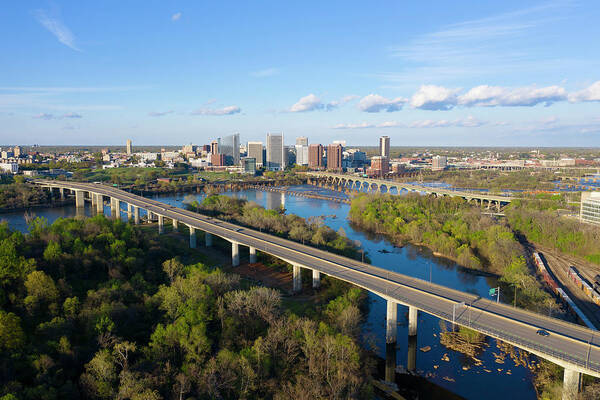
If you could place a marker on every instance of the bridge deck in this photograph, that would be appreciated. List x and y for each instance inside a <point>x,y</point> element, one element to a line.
<point>570,345</point>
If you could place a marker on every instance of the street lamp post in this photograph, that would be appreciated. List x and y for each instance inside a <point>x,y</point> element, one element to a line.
<point>461,304</point>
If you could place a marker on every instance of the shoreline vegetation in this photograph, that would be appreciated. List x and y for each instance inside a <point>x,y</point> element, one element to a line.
<point>98,308</point>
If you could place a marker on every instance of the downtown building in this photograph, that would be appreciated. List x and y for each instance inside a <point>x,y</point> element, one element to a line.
<point>230,147</point>
<point>590,208</point>
<point>380,166</point>
<point>276,152</point>
<point>315,156</point>
<point>384,146</point>
<point>255,150</point>
<point>334,157</point>
<point>302,150</point>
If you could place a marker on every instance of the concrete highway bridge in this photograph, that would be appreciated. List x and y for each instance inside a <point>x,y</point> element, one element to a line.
<point>574,347</point>
<point>353,182</point>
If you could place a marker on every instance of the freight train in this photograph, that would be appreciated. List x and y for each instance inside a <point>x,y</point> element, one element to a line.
<point>565,299</point>
<point>582,284</point>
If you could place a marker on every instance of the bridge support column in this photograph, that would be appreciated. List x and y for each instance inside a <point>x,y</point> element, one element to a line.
<point>136,215</point>
<point>413,313</point>
<point>235,254</point>
<point>297,279</point>
<point>79,199</point>
<point>99,204</point>
<point>175,225</point>
<point>150,216</point>
<point>252,255</point>
<point>129,212</point>
<point>208,239</point>
<point>571,384</point>
<point>192,238</point>
<point>316,279</point>
<point>62,193</point>
<point>411,362</point>
<point>93,199</point>
<point>114,208</point>
<point>161,224</point>
<point>391,330</point>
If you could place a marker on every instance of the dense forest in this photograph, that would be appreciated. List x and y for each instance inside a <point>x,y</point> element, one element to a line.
<point>21,195</point>
<point>454,229</point>
<point>101,309</point>
<point>495,181</point>
<point>540,222</point>
<point>291,226</point>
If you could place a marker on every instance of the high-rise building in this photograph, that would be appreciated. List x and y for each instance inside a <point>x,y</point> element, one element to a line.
<point>439,162</point>
<point>275,152</point>
<point>249,164</point>
<point>214,147</point>
<point>380,166</point>
<point>217,160</point>
<point>129,147</point>
<point>334,157</point>
<point>255,150</point>
<point>384,146</point>
<point>230,147</point>
<point>315,156</point>
<point>18,151</point>
<point>590,207</point>
<point>302,141</point>
<point>301,154</point>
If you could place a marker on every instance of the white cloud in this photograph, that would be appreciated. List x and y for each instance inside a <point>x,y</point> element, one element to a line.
<point>491,96</point>
<point>432,97</point>
<point>57,28</point>
<point>45,116</point>
<point>307,103</point>
<point>160,113</point>
<point>265,73</point>
<point>229,110</point>
<point>336,103</point>
<point>374,103</point>
<point>591,93</point>
<point>176,16</point>
<point>72,115</point>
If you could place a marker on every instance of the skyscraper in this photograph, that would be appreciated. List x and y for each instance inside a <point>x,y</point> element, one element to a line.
<point>301,154</point>
<point>384,146</point>
<point>315,156</point>
<point>275,152</point>
<point>255,150</point>
<point>302,140</point>
<point>230,147</point>
<point>334,157</point>
<point>214,147</point>
<point>129,146</point>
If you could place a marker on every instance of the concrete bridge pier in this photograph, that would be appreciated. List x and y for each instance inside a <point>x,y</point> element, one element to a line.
<point>208,239</point>
<point>235,254</point>
<point>93,199</point>
<point>413,313</point>
<point>129,212</point>
<point>161,224</point>
<point>99,204</point>
<point>192,238</point>
<point>114,207</point>
<point>175,225</point>
<point>252,255</point>
<point>391,327</point>
<point>316,279</point>
<point>297,279</point>
<point>136,215</point>
<point>62,193</point>
<point>571,384</point>
<point>79,198</point>
<point>411,362</point>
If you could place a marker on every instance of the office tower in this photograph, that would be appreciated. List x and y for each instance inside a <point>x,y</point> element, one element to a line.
<point>384,146</point>
<point>18,151</point>
<point>275,152</point>
<point>217,160</point>
<point>255,150</point>
<point>249,164</point>
<point>214,147</point>
<point>230,147</point>
<point>334,157</point>
<point>129,146</point>
<point>315,156</point>
<point>590,207</point>
<point>439,162</point>
<point>379,166</point>
<point>302,140</point>
<point>301,154</point>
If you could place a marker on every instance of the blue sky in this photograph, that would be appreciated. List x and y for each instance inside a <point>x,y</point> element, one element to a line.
<point>507,73</point>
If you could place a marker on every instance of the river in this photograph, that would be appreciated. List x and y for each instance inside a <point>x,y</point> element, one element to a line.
<point>459,375</point>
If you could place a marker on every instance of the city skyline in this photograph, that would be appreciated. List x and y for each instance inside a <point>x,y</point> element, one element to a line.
<point>510,74</point>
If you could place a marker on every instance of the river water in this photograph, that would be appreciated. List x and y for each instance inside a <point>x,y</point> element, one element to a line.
<point>459,375</point>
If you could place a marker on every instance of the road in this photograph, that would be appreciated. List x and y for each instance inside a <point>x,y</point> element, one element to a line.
<point>570,345</point>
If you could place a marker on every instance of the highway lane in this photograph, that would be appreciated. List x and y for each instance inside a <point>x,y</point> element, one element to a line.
<point>569,342</point>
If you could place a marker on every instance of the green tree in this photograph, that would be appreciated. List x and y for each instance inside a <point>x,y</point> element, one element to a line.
<point>11,333</point>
